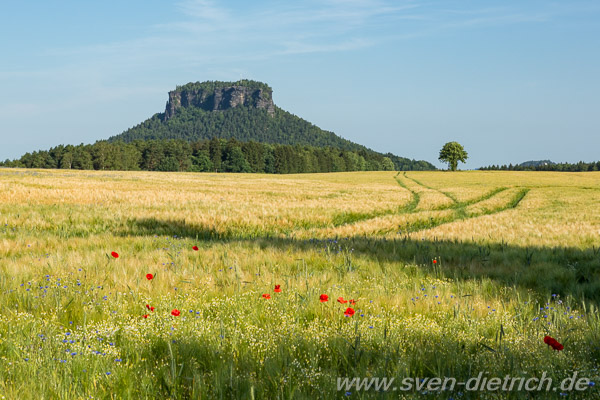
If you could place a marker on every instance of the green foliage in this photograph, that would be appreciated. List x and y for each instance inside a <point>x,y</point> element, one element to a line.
<point>242,123</point>
<point>215,155</point>
<point>387,164</point>
<point>214,148</point>
<point>201,163</point>
<point>560,167</point>
<point>452,153</point>
<point>234,160</point>
<point>169,164</point>
<point>211,86</point>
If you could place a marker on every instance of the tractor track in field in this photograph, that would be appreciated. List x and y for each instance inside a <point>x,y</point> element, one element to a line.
<point>448,195</point>
<point>460,207</point>
<point>411,208</point>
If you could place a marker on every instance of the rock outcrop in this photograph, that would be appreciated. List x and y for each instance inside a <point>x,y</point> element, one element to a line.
<point>220,96</point>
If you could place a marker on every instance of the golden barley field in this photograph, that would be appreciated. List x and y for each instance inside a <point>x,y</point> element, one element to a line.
<point>195,285</point>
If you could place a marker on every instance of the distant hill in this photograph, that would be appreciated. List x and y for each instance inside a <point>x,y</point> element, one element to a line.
<point>546,165</point>
<point>535,164</point>
<point>245,111</point>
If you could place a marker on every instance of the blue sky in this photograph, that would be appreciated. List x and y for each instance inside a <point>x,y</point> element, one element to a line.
<point>510,80</point>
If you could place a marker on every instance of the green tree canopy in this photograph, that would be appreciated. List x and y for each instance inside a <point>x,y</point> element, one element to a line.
<point>452,153</point>
<point>217,154</point>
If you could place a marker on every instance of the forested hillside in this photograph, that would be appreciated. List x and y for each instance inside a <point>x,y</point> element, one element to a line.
<point>242,123</point>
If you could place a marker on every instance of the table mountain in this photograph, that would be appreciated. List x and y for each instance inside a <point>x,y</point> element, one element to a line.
<point>243,110</point>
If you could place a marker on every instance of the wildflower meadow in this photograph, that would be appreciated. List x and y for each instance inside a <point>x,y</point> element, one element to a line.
<point>140,285</point>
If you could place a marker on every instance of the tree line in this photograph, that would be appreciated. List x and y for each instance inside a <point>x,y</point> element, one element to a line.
<point>564,167</point>
<point>215,155</point>
<point>212,86</point>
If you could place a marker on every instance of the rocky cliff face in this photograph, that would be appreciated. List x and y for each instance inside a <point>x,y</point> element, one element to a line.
<point>219,98</point>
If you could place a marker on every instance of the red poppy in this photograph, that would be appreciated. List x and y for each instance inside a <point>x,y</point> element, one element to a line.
<point>324,298</point>
<point>148,306</point>
<point>558,346</point>
<point>435,261</point>
<point>149,277</point>
<point>145,315</point>
<point>550,341</point>
<point>195,248</point>
<point>175,313</point>
<point>266,296</point>
<point>341,300</point>
<point>277,289</point>
<point>353,302</point>
<point>114,254</point>
<point>152,309</point>
<point>349,312</point>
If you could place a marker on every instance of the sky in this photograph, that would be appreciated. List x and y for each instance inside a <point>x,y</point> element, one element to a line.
<point>511,81</point>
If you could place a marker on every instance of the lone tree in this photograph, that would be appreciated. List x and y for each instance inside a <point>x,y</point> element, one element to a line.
<point>452,153</point>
